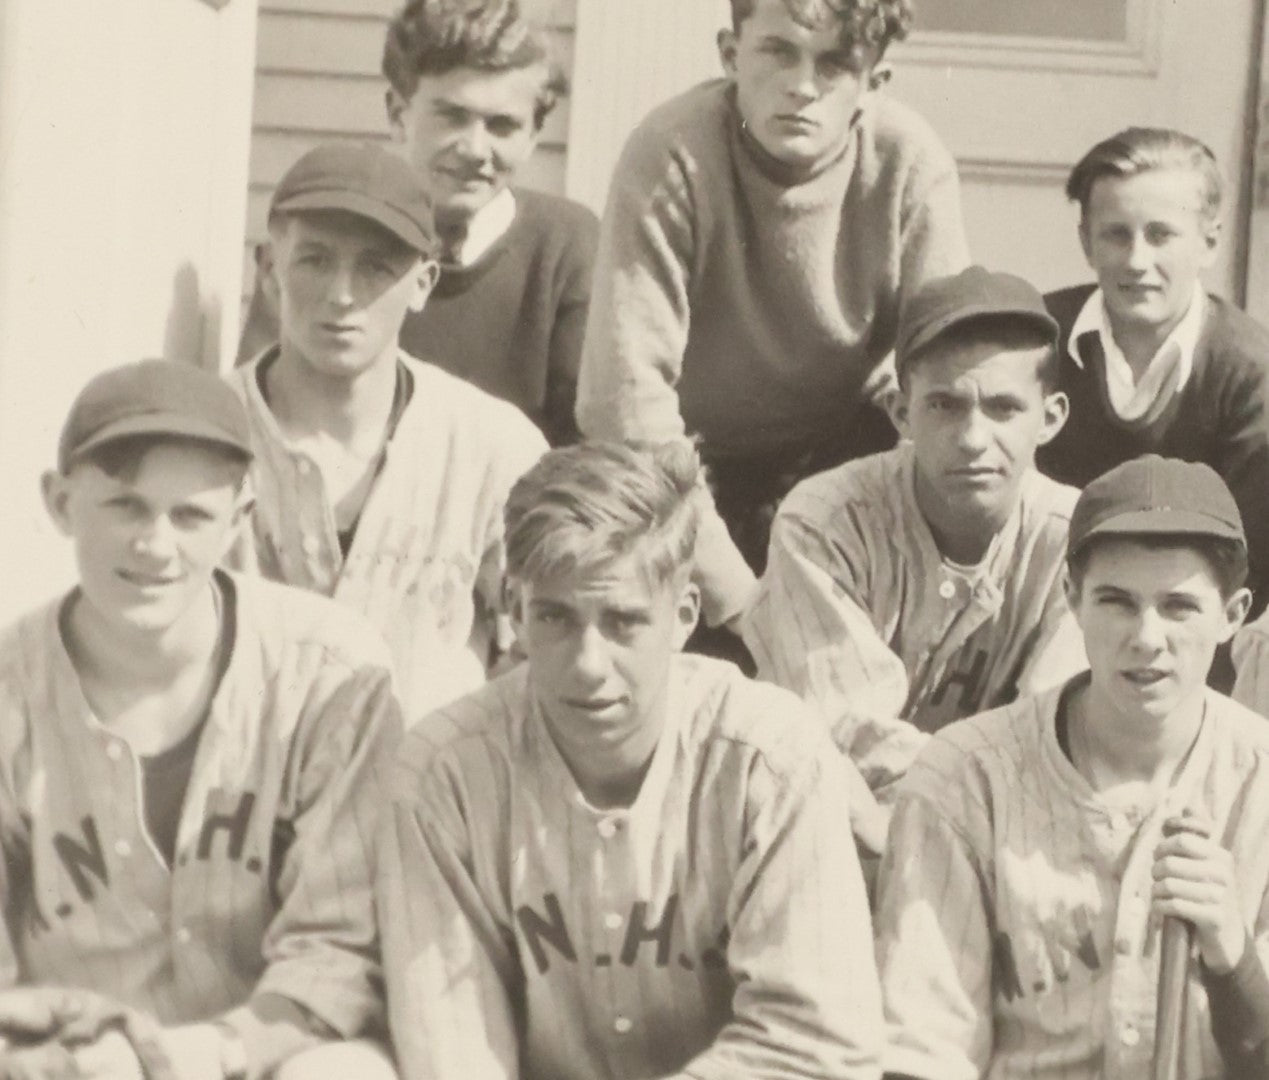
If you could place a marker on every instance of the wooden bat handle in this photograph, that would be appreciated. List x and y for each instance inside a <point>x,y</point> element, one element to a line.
<point>1175,941</point>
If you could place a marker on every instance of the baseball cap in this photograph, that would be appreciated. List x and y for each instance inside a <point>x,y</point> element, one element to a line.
<point>360,179</point>
<point>1156,495</point>
<point>154,397</point>
<point>974,293</point>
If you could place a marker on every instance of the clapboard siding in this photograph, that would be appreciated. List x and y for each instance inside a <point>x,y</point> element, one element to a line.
<point>318,80</point>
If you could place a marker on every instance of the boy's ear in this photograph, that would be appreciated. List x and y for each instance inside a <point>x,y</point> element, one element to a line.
<point>426,274</point>
<point>687,613</point>
<point>1236,609</point>
<point>1211,240</point>
<point>897,407</point>
<point>395,105</point>
<point>727,50</point>
<point>267,269</point>
<point>880,75</point>
<point>1057,408</point>
<point>55,488</point>
<point>1085,242</point>
<point>512,602</point>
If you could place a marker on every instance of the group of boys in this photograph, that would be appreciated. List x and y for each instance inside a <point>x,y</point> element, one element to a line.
<point>367,745</point>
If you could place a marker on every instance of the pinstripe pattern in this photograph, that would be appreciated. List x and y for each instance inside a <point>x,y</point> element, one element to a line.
<point>274,898</point>
<point>718,926</point>
<point>858,613</point>
<point>1013,925</point>
<point>429,540</point>
<point>1251,665</point>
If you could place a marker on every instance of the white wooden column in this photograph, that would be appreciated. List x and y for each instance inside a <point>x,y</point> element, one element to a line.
<point>629,56</point>
<point>124,138</point>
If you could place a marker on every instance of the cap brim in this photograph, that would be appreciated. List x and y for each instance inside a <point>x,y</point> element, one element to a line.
<point>1163,523</point>
<point>172,425</point>
<point>973,312</point>
<point>400,224</point>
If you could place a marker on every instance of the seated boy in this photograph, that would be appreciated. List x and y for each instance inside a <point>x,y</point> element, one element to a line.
<point>470,86</point>
<point>761,234</point>
<point>617,860</point>
<point>1036,849</point>
<point>1150,362</point>
<point>923,584</point>
<point>190,761</point>
<point>379,480</point>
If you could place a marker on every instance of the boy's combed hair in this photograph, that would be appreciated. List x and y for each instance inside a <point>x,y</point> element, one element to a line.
<point>431,37</point>
<point>586,506</point>
<point>864,22</point>
<point>1001,332</point>
<point>1226,558</point>
<point>1141,149</point>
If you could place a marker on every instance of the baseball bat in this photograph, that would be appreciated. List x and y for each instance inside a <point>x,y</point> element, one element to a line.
<point>1176,942</point>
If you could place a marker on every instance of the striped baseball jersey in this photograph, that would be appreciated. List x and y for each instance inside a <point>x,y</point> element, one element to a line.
<point>270,888</point>
<point>715,928</point>
<point>1250,651</point>
<point>1014,924</point>
<point>428,546</point>
<point>859,613</point>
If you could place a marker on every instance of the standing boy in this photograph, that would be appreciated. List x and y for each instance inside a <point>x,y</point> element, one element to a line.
<point>617,860</point>
<point>1150,362</point>
<point>761,234</point>
<point>379,479</point>
<point>470,87</point>
<point>188,769</point>
<point>923,584</point>
<point>1035,849</point>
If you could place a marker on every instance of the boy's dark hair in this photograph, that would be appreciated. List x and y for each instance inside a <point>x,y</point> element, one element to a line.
<point>1227,559</point>
<point>431,37</point>
<point>121,458</point>
<point>1003,332</point>
<point>1137,150</point>
<point>864,22</point>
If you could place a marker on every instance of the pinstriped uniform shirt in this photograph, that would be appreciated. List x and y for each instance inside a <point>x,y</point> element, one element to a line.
<point>715,928</point>
<point>426,562</point>
<point>270,889</point>
<point>859,614</point>
<point>1014,929</point>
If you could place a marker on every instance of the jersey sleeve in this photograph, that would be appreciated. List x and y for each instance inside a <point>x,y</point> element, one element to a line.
<point>1250,652</point>
<point>810,632</point>
<point>932,236</point>
<point>800,951</point>
<point>321,948</point>
<point>448,961</point>
<point>568,331</point>
<point>934,948</point>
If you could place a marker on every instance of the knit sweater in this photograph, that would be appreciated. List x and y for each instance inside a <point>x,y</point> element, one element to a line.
<point>1219,416</point>
<point>736,301</point>
<point>511,322</point>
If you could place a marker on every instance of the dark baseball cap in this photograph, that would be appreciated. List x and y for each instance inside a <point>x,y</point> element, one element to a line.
<point>973,294</point>
<point>360,179</point>
<point>154,397</point>
<point>1153,495</point>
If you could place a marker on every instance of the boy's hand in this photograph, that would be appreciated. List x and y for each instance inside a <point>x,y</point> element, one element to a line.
<point>1194,880</point>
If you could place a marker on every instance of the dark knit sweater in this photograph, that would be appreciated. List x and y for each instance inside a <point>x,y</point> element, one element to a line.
<point>1219,417</point>
<point>512,322</point>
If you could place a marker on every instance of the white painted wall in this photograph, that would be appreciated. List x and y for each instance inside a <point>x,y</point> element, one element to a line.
<point>123,173</point>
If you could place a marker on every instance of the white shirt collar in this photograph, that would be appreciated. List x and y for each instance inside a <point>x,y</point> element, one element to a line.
<point>1129,398</point>
<point>487,225</point>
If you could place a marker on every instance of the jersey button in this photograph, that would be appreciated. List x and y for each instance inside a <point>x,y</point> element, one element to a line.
<point>622,1025</point>
<point>123,849</point>
<point>1123,946</point>
<point>1118,822</point>
<point>303,466</point>
<point>183,936</point>
<point>1129,1036</point>
<point>947,590</point>
<point>114,751</point>
<point>612,920</point>
<point>607,828</point>
<point>310,545</point>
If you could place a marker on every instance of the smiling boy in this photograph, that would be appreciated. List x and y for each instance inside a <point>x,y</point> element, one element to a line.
<point>761,234</point>
<point>1150,362</point>
<point>1034,850</point>
<point>923,584</point>
<point>189,766</point>
<point>471,85</point>
<point>617,860</point>
<point>379,479</point>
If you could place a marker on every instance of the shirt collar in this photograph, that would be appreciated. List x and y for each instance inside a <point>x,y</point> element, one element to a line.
<point>486,226</point>
<point>1184,337</point>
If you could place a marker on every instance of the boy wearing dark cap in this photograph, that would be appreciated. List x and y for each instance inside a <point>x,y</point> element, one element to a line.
<point>1035,850</point>
<point>923,584</point>
<point>189,761</point>
<point>379,480</point>
<point>470,86</point>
